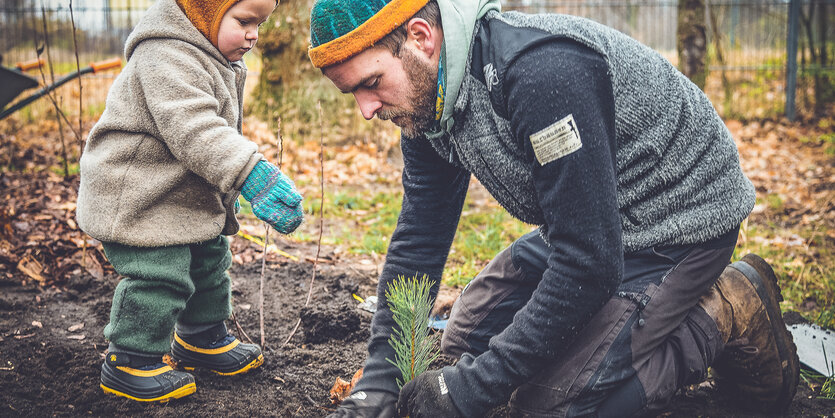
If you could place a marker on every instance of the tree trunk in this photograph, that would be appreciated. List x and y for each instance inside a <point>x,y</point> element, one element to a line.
<point>824,88</point>
<point>283,43</point>
<point>289,87</point>
<point>691,41</point>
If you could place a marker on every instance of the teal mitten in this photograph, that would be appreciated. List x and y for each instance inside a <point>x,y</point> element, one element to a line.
<point>273,197</point>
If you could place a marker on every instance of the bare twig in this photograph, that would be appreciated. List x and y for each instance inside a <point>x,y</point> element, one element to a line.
<point>38,51</point>
<point>58,112</point>
<point>280,150</point>
<point>261,289</point>
<point>266,247</point>
<point>322,201</point>
<point>293,332</point>
<point>321,215</point>
<point>80,87</point>
<point>238,327</point>
<point>61,113</point>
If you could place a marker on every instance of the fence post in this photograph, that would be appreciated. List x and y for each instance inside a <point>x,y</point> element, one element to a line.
<point>791,58</point>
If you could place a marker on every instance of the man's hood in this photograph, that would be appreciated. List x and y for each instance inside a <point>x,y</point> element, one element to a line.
<point>458,19</point>
<point>166,20</point>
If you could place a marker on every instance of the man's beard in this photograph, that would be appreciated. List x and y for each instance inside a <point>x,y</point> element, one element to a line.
<point>422,95</point>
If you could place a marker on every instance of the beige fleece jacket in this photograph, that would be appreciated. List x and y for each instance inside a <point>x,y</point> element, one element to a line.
<point>165,163</point>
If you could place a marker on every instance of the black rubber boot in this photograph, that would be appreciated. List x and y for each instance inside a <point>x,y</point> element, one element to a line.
<point>144,379</point>
<point>216,350</point>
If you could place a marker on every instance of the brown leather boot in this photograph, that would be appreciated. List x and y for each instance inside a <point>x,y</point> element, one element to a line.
<point>758,366</point>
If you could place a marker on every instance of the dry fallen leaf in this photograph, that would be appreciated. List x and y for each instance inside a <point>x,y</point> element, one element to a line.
<point>341,389</point>
<point>32,268</point>
<point>75,327</point>
<point>93,266</point>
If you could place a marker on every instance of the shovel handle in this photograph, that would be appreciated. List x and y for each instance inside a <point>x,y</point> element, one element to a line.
<point>106,64</point>
<point>28,65</point>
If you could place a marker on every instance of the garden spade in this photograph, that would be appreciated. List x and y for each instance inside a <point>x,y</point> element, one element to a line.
<point>815,347</point>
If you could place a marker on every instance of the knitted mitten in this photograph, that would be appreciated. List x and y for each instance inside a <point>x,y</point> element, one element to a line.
<point>273,197</point>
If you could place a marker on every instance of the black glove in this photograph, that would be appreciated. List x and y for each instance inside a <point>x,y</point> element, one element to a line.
<point>366,404</point>
<point>426,396</point>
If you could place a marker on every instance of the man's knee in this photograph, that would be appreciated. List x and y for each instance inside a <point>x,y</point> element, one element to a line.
<point>453,345</point>
<point>486,306</point>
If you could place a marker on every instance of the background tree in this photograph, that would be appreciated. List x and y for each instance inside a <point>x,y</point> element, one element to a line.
<point>691,41</point>
<point>815,20</point>
<point>289,87</point>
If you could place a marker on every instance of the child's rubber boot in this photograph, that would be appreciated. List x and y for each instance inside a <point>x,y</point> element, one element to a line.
<point>216,350</point>
<point>144,379</point>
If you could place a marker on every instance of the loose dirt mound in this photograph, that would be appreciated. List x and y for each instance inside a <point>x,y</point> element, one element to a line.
<point>48,370</point>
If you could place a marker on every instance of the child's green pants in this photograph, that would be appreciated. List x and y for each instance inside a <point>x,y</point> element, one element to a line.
<point>165,285</point>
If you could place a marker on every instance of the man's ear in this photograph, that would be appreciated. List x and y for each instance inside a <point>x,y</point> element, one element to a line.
<point>422,36</point>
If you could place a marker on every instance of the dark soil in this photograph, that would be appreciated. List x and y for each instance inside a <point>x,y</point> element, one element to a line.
<point>45,370</point>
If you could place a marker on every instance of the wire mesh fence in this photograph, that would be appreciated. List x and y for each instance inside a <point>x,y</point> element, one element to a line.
<point>746,46</point>
<point>746,42</point>
<point>96,29</point>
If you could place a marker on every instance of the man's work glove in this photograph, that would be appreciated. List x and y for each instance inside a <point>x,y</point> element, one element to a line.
<point>366,404</point>
<point>273,197</point>
<point>426,396</point>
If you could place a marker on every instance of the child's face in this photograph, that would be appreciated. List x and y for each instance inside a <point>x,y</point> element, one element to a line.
<point>238,29</point>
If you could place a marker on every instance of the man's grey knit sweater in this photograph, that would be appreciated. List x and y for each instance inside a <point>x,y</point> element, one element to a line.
<point>573,126</point>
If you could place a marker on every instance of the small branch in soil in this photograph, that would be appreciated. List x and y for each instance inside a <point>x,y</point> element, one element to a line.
<point>261,290</point>
<point>321,215</point>
<point>241,331</point>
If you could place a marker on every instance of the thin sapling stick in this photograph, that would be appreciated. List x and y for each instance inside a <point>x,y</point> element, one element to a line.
<point>80,87</point>
<point>58,112</point>
<point>321,214</point>
<point>261,287</point>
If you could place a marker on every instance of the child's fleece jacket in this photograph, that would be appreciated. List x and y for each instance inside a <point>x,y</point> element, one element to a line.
<point>165,163</point>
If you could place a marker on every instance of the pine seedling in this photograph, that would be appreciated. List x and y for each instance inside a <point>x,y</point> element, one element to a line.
<point>414,348</point>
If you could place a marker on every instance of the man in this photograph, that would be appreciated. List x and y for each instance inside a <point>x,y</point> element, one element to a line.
<point>624,294</point>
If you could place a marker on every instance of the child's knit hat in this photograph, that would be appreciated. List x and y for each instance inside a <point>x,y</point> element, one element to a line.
<point>206,15</point>
<point>340,29</point>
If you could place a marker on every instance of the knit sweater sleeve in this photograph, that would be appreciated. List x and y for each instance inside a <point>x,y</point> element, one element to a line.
<point>179,93</point>
<point>577,194</point>
<point>433,195</point>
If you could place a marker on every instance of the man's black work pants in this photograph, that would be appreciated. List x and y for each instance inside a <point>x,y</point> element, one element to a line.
<point>649,340</point>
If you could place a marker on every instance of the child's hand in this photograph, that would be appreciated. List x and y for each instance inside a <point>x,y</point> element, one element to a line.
<point>273,197</point>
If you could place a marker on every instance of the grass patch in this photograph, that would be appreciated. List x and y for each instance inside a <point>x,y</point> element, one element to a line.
<point>73,168</point>
<point>804,262</point>
<point>823,384</point>
<point>362,221</point>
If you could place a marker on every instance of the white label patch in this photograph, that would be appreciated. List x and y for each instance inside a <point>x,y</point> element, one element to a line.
<point>556,141</point>
<point>491,77</point>
<point>442,384</point>
<point>359,395</point>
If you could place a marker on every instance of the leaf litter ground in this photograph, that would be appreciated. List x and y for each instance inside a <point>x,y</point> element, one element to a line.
<point>49,370</point>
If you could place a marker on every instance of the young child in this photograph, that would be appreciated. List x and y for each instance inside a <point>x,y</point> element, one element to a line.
<point>160,179</point>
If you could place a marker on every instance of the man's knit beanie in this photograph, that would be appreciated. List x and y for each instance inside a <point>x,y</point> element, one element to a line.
<point>206,15</point>
<point>340,29</point>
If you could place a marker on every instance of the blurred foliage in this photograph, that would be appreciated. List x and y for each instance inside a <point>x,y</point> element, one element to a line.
<point>289,87</point>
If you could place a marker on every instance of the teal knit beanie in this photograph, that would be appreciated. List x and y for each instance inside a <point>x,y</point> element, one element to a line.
<point>340,29</point>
